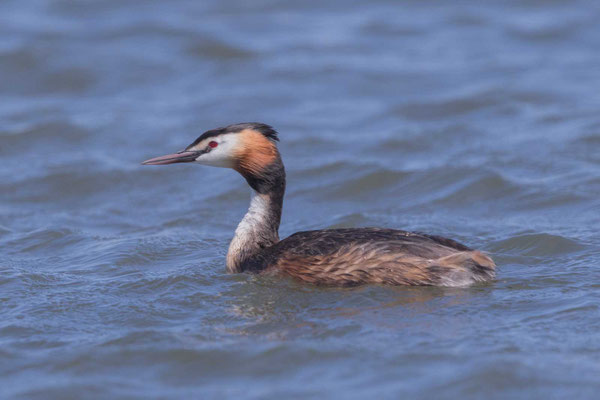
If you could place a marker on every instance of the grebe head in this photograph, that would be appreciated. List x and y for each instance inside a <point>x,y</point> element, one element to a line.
<point>237,146</point>
<point>249,148</point>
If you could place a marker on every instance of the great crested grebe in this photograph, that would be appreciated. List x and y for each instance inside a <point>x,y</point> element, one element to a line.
<point>333,257</point>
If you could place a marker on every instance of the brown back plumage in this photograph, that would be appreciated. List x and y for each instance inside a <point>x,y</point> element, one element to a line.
<point>348,257</point>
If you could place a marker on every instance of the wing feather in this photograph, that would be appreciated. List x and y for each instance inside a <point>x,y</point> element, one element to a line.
<point>348,257</point>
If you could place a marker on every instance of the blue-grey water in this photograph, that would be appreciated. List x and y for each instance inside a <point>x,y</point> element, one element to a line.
<point>475,120</point>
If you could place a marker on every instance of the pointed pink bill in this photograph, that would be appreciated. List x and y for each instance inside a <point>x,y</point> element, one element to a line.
<point>181,157</point>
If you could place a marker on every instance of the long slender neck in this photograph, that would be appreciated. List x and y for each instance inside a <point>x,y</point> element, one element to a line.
<point>259,228</point>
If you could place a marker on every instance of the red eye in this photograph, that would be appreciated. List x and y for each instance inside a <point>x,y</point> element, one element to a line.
<point>213,144</point>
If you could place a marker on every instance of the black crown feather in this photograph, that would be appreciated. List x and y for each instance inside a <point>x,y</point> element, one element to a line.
<point>265,129</point>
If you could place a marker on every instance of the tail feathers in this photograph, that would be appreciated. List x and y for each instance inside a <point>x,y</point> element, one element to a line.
<point>465,268</point>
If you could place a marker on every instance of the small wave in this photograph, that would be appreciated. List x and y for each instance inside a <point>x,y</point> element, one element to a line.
<point>547,31</point>
<point>74,180</point>
<point>448,108</point>
<point>50,133</point>
<point>208,48</point>
<point>592,139</point>
<point>42,239</point>
<point>367,183</point>
<point>327,168</point>
<point>35,75</point>
<point>536,245</point>
<point>168,283</point>
<point>4,231</point>
<point>480,187</point>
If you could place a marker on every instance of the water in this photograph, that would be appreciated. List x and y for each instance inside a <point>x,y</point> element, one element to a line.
<point>474,120</point>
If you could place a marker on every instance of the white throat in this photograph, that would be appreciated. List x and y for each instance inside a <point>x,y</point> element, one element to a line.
<point>254,232</point>
<point>257,214</point>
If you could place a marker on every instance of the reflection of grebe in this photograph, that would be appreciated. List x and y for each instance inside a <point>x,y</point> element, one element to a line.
<point>336,257</point>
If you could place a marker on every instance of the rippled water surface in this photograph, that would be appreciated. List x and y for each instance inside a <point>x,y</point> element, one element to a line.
<point>475,120</point>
